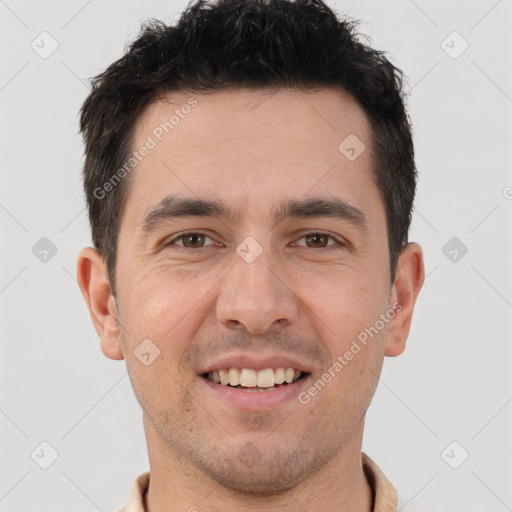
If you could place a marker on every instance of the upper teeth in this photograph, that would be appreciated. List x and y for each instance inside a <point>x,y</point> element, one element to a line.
<point>250,378</point>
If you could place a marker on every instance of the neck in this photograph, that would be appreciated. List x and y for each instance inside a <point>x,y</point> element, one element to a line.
<point>176,485</point>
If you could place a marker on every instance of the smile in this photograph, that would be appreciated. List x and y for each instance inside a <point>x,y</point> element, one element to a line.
<point>242,389</point>
<point>250,379</point>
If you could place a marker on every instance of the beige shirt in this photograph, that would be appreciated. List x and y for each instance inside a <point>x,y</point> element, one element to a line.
<point>384,494</point>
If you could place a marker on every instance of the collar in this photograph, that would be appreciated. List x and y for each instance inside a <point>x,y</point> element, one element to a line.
<point>385,497</point>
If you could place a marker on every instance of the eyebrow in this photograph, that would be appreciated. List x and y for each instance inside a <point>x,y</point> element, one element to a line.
<point>173,207</point>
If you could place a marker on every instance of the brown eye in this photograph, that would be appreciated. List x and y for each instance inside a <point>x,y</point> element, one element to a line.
<point>191,240</point>
<point>317,239</point>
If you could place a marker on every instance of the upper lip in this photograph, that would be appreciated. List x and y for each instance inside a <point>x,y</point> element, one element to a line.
<point>256,362</point>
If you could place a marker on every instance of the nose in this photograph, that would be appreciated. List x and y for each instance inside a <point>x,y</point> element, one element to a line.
<point>256,295</point>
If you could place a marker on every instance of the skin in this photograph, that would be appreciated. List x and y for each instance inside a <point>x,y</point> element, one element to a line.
<point>252,149</point>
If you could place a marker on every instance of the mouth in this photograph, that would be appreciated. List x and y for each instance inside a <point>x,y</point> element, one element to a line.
<point>254,381</point>
<point>254,390</point>
<point>249,379</point>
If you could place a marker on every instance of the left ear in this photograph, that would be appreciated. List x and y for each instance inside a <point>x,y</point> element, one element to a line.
<point>409,279</point>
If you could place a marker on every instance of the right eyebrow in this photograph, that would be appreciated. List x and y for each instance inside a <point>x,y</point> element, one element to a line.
<point>172,207</point>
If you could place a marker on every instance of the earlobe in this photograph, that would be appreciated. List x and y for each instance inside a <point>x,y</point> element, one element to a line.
<point>408,282</point>
<point>97,292</point>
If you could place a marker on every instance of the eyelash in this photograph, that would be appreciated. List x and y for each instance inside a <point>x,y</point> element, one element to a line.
<point>188,233</point>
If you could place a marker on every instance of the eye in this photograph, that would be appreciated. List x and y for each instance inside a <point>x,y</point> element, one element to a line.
<point>191,240</point>
<point>318,240</point>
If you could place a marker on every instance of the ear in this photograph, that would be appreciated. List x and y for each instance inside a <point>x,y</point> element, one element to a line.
<point>408,282</point>
<point>95,287</point>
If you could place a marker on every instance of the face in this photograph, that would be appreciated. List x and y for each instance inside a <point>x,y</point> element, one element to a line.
<point>250,241</point>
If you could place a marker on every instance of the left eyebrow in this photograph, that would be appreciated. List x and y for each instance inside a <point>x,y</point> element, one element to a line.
<point>172,207</point>
<point>320,207</point>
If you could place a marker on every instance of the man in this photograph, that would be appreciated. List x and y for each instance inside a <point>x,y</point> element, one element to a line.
<point>250,178</point>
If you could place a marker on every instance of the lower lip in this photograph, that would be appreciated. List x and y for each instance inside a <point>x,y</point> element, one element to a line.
<point>256,400</point>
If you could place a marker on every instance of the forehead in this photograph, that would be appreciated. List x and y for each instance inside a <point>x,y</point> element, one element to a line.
<point>249,146</point>
<point>190,119</point>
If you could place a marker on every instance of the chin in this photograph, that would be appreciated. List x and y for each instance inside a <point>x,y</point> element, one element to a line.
<point>249,470</point>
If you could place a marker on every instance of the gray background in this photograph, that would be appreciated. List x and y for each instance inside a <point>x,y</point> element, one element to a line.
<point>453,383</point>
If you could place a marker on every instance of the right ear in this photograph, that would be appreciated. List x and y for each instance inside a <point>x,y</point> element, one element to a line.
<point>95,287</point>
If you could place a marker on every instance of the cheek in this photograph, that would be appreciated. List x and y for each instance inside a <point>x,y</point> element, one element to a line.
<point>156,324</point>
<point>157,387</point>
<point>164,305</point>
<point>342,303</point>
